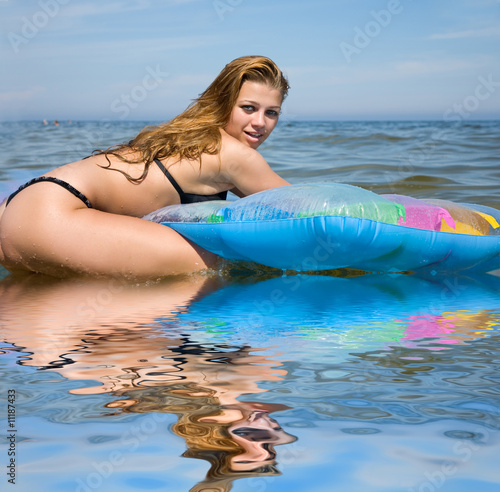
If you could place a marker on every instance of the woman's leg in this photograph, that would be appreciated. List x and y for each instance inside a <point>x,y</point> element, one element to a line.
<point>3,260</point>
<point>46,229</point>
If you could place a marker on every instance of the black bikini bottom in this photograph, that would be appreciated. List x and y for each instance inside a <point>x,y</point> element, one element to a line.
<point>58,181</point>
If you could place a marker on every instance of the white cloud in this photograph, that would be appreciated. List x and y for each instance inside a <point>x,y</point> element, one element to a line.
<point>309,76</point>
<point>115,50</point>
<point>117,7</point>
<point>102,8</point>
<point>426,67</point>
<point>471,33</point>
<point>18,96</point>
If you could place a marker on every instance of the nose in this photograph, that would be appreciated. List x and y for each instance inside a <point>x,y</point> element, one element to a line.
<point>258,120</point>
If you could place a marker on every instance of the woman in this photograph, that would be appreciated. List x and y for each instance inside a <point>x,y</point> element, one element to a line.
<point>84,217</point>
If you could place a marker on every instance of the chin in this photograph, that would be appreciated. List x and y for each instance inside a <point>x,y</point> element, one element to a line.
<point>254,145</point>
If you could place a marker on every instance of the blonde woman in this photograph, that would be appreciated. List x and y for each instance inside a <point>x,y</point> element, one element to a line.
<point>84,217</point>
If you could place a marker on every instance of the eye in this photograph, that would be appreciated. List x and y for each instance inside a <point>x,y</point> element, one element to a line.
<point>243,432</point>
<point>272,113</point>
<point>248,107</point>
<point>253,434</point>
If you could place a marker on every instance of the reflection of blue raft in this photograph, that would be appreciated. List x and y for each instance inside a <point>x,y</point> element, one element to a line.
<point>363,312</point>
<point>326,226</point>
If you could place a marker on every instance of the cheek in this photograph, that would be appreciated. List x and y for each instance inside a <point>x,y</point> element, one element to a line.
<point>230,126</point>
<point>234,120</point>
<point>272,124</point>
<point>239,118</point>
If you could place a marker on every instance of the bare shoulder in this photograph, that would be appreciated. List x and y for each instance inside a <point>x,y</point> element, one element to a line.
<point>236,154</point>
<point>231,145</point>
<point>245,168</point>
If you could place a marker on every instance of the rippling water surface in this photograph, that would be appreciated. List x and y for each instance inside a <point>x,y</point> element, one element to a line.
<point>249,381</point>
<point>457,162</point>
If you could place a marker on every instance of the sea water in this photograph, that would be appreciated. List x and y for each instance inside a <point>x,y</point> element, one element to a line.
<point>248,380</point>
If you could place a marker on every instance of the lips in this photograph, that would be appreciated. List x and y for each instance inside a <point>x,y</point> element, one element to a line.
<point>254,135</point>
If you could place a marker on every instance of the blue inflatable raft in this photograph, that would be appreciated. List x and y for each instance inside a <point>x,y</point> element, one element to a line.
<point>324,226</point>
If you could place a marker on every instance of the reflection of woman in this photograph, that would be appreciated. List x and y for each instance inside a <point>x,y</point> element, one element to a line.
<point>84,217</point>
<point>126,338</point>
<point>237,440</point>
<point>51,317</point>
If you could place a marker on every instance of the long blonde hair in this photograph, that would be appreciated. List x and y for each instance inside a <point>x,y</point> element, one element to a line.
<point>197,130</point>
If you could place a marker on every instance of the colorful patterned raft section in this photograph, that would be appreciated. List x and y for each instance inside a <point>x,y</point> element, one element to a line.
<point>325,226</point>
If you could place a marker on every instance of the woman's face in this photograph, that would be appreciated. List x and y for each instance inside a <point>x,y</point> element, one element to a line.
<point>257,435</point>
<point>255,113</point>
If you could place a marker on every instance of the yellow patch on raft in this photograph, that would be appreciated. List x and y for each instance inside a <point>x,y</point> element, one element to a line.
<point>467,221</point>
<point>490,219</point>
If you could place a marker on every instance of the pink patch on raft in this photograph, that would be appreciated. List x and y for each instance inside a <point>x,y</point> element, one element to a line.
<point>421,215</point>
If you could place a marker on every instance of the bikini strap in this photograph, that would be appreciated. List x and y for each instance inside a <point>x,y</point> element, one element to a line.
<point>57,181</point>
<point>170,177</point>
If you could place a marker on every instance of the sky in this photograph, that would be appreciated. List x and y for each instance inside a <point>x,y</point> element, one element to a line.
<point>345,59</point>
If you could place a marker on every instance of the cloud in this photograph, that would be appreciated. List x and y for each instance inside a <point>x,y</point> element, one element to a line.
<point>307,76</point>
<point>151,49</point>
<point>117,7</point>
<point>18,96</point>
<point>425,67</point>
<point>472,33</point>
<point>82,10</point>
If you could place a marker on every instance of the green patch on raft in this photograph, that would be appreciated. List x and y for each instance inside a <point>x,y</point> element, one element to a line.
<point>388,213</point>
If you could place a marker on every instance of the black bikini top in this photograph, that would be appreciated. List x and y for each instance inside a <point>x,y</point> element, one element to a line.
<point>189,197</point>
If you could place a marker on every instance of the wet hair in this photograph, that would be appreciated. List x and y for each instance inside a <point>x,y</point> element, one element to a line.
<point>197,130</point>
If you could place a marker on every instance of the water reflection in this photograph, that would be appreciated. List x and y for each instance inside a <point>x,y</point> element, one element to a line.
<point>349,314</point>
<point>211,350</point>
<point>237,440</point>
<point>129,340</point>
